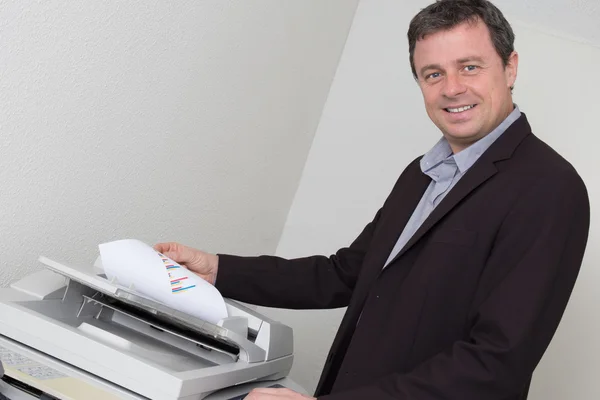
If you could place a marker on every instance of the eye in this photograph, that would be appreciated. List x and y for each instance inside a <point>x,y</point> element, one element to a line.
<point>432,75</point>
<point>471,68</point>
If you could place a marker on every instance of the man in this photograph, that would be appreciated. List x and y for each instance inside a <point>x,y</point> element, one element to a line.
<point>457,286</point>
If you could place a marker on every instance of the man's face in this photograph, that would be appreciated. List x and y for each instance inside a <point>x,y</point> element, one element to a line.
<point>465,85</point>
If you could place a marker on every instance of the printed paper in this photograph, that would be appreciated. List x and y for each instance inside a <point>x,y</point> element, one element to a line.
<point>137,266</point>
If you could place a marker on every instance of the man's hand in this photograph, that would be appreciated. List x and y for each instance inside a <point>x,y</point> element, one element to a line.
<point>202,264</point>
<point>276,394</point>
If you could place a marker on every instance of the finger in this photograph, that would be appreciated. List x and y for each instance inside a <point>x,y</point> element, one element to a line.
<point>273,390</point>
<point>165,247</point>
<point>174,251</point>
<point>283,393</point>
<point>257,395</point>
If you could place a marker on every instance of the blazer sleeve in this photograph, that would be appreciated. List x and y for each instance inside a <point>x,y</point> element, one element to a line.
<point>314,282</point>
<point>539,250</point>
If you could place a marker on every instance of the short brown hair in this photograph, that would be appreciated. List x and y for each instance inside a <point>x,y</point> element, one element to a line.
<point>446,14</point>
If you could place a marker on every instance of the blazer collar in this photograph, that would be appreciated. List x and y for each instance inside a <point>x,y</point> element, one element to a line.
<point>483,169</point>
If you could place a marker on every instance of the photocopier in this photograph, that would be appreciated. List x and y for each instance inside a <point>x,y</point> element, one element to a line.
<point>70,333</point>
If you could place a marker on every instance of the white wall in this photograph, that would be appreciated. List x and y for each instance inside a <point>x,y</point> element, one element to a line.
<point>374,124</point>
<point>160,120</point>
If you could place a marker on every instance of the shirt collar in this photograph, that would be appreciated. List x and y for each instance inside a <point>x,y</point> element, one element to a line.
<point>434,157</point>
<point>466,158</point>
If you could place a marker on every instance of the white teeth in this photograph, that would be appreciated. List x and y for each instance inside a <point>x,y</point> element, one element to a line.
<point>460,109</point>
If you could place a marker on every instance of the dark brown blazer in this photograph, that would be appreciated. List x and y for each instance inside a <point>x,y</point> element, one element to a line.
<point>469,306</point>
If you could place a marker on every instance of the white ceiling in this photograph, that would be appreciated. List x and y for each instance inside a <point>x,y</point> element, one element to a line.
<point>576,19</point>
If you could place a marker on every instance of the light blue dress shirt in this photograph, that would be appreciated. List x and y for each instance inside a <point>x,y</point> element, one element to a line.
<point>445,169</point>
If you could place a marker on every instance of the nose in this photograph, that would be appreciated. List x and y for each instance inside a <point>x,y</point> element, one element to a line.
<point>453,85</point>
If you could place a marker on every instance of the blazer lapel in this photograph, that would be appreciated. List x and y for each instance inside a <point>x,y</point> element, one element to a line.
<point>402,211</point>
<point>403,202</point>
<point>480,172</point>
<point>468,183</point>
<point>404,199</point>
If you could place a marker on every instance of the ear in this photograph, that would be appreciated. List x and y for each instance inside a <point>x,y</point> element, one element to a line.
<point>510,70</point>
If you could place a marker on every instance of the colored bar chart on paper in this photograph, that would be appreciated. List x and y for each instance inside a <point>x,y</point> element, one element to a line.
<point>177,276</point>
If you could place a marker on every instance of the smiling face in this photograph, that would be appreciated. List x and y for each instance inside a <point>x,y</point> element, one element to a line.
<point>465,84</point>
